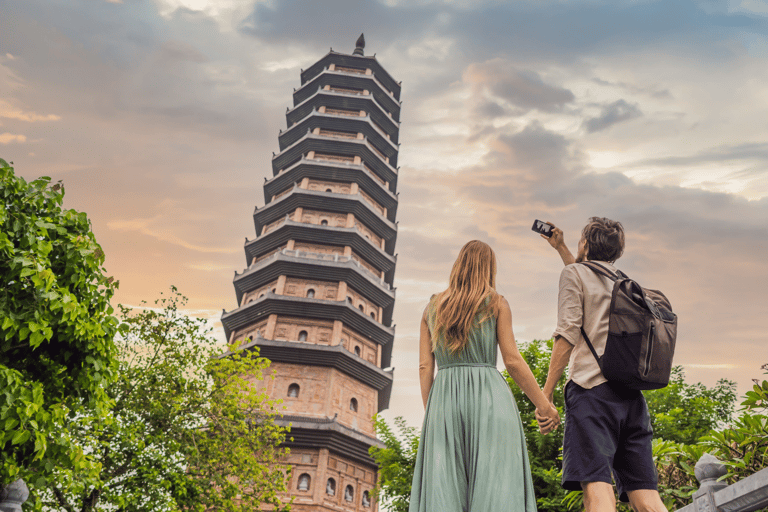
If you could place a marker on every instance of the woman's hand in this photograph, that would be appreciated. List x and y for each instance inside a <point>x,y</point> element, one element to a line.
<point>549,419</point>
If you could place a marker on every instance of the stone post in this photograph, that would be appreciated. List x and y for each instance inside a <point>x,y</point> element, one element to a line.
<point>13,495</point>
<point>708,469</point>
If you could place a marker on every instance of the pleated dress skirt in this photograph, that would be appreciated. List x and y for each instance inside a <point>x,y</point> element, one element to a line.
<point>472,455</point>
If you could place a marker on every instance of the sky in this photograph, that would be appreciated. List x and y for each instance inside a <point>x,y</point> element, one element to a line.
<point>161,116</point>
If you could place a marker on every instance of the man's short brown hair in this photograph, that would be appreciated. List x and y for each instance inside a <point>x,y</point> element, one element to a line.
<point>605,239</point>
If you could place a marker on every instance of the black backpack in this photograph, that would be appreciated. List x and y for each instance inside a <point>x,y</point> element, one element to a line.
<point>641,334</point>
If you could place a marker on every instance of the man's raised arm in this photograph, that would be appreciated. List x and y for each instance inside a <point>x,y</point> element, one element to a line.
<point>558,242</point>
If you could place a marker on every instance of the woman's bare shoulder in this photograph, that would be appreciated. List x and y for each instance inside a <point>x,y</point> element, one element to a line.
<point>502,305</point>
<point>425,315</point>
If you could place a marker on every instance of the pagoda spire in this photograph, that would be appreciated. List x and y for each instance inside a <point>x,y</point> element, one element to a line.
<point>359,45</point>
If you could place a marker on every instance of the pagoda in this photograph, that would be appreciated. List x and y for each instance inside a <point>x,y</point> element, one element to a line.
<point>317,295</point>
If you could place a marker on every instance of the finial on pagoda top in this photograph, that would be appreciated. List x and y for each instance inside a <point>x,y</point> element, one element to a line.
<point>359,45</point>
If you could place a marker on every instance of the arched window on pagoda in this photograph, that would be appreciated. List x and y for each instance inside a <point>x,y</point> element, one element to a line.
<point>353,405</point>
<point>293,390</point>
<point>366,500</point>
<point>330,487</point>
<point>349,493</point>
<point>323,222</point>
<point>357,351</point>
<point>304,482</point>
<point>303,335</point>
<point>310,293</point>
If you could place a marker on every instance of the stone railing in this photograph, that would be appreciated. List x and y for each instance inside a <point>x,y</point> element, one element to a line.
<point>373,174</point>
<point>334,158</point>
<point>339,258</point>
<point>344,69</point>
<point>273,225</point>
<point>383,157</point>
<point>337,134</point>
<point>342,112</point>
<point>747,495</point>
<point>345,90</point>
<point>13,495</point>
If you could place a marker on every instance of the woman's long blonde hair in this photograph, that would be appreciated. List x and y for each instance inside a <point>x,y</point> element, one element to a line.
<point>473,279</point>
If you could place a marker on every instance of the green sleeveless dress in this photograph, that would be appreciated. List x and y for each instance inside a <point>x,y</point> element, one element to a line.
<point>472,455</point>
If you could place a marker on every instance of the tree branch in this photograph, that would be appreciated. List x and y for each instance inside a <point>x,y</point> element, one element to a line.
<point>89,504</point>
<point>62,500</point>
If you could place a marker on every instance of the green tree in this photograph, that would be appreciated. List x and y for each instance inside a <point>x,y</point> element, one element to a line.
<point>544,451</point>
<point>57,354</point>
<point>741,444</point>
<point>683,412</point>
<point>190,430</point>
<point>396,463</point>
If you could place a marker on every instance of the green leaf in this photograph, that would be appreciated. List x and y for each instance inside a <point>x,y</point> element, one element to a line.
<point>20,436</point>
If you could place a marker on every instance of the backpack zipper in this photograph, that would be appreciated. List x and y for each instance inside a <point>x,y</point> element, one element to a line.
<point>650,349</point>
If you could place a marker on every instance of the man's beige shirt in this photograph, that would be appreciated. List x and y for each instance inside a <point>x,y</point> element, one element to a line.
<point>584,299</point>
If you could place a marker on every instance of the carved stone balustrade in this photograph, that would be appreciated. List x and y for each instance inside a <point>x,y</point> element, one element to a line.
<point>747,495</point>
<point>13,495</point>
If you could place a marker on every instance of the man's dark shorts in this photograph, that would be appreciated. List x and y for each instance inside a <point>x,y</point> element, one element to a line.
<point>607,429</point>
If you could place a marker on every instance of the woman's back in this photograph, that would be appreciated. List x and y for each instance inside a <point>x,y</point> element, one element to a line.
<point>480,348</point>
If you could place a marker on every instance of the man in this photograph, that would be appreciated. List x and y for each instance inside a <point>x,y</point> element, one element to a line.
<point>607,426</point>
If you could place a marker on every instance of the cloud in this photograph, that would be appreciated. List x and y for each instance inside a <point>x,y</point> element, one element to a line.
<point>7,138</point>
<point>281,21</point>
<point>208,266</point>
<point>10,112</point>
<point>151,228</point>
<point>563,31</point>
<point>521,88</point>
<point>721,154</point>
<point>617,112</point>
<point>652,91</point>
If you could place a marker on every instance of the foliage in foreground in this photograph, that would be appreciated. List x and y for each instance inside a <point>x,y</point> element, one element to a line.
<point>742,446</point>
<point>697,419</point>
<point>396,463</point>
<point>189,431</point>
<point>57,352</point>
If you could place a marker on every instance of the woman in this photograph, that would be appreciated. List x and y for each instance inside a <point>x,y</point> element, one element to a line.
<point>472,455</point>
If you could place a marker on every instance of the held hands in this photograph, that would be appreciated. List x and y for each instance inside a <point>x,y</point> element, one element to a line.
<point>548,419</point>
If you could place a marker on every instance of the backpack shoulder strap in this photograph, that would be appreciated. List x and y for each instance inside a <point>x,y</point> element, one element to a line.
<point>599,269</point>
<point>589,344</point>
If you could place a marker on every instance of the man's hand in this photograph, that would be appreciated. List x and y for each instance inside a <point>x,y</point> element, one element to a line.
<point>548,419</point>
<point>557,240</point>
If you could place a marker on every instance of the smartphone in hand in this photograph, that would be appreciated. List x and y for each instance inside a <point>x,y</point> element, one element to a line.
<point>542,228</point>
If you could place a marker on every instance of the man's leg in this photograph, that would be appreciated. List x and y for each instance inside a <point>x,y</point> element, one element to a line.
<point>599,497</point>
<point>646,500</point>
